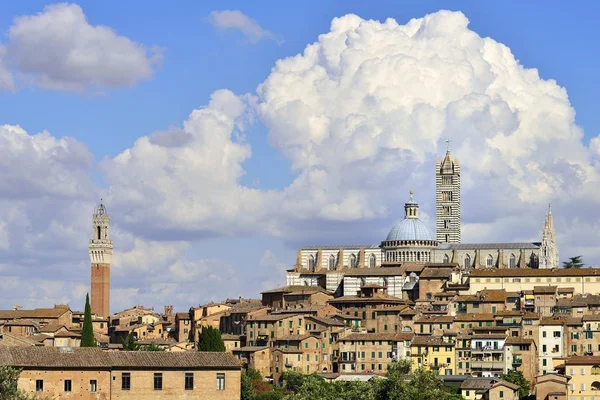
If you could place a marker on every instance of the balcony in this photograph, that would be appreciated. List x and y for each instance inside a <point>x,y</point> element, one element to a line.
<point>490,349</point>
<point>516,362</point>
<point>488,364</point>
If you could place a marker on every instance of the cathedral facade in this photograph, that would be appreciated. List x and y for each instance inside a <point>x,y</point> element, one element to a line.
<point>410,242</point>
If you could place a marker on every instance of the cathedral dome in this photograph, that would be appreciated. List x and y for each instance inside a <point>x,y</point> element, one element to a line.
<point>411,227</point>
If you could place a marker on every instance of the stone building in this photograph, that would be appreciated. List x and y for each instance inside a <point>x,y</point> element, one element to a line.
<point>100,250</point>
<point>90,373</point>
<point>411,241</point>
<point>447,200</point>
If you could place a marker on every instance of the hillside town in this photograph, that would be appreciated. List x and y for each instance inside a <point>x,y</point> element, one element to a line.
<point>471,313</point>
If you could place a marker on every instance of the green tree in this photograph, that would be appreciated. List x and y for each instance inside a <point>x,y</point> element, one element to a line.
<point>210,340</point>
<point>273,395</point>
<point>574,262</point>
<point>518,379</point>
<point>87,331</point>
<point>246,387</point>
<point>9,377</point>
<point>292,380</point>
<point>454,396</point>
<point>152,347</point>
<point>129,343</point>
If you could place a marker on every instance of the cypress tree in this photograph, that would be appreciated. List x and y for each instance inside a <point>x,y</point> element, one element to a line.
<point>87,332</point>
<point>210,340</point>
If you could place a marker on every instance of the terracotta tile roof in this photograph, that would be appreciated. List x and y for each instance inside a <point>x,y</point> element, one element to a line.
<point>489,336</point>
<point>401,336</point>
<point>374,299</point>
<point>517,340</point>
<point>67,334</point>
<point>36,313</point>
<point>325,321</point>
<point>591,317</point>
<point>297,289</point>
<point>442,319</point>
<point>250,349</point>
<point>429,341</point>
<point>469,317</point>
<point>566,290</point>
<point>544,289</point>
<point>495,296</point>
<point>182,315</point>
<point>583,360</point>
<point>508,313</point>
<point>22,322</point>
<point>272,317</point>
<point>485,384</point>
<point>91,358</point>
<point>226,336</point>
<point>436,273</point>
<point>525,272</point>
<point>292,338</point>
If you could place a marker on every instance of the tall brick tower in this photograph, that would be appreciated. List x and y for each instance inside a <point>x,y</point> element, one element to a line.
<point>101,249</point>
<point>447,199</point>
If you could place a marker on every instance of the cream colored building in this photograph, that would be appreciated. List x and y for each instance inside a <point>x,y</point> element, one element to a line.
<point>584,373</point>
<point>89,373</point>
<point>582,280</point>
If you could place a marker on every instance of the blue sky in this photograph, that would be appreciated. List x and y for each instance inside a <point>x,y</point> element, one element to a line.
<point>198,58</point>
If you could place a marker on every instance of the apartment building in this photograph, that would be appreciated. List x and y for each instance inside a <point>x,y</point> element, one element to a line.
<point>90,373</point>
<point>372,352</point>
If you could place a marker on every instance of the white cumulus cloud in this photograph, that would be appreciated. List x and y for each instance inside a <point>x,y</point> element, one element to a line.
<point>59,49</point>
<point>237,20</point>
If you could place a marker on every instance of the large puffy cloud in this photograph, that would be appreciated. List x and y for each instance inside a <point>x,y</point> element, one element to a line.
<point>361,115</point>
<point>187,179</point>
<point>59,49</point>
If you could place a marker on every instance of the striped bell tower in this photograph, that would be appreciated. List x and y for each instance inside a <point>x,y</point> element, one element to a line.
<point>447,199</point>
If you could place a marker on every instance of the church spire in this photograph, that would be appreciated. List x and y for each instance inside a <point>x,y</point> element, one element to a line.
<point>549,249</point>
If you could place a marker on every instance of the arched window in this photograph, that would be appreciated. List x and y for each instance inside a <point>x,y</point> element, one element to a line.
<point>533,261</point>
<point>446,259</point>
<point>596,370</point>
<point>311,263</point>
<point>595,385</point>
<point>332,262</point>
<point>363,282</point>
<point>489,262</point>
<point>467,261</point>
<point>99,231</point>
<point>372,261</point>
<point>513,261</point>
<point>353,260</point>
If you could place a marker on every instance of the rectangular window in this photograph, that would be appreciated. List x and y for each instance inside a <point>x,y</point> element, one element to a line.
<point>220,381</point>
<point>93,385</point>
<point>157,381</point>
<point>501,394</point>
<point>39,385</point>
<point>189,381</point>
<point>68,385</point>
<point>125,381</point>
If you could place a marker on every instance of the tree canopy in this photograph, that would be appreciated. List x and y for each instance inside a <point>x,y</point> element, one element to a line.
<point>87,331</point>
<point>9,390</point>
<point>210,340</point>
<point>574,262</point>
<point>130,344</point>
<point>517,378</point>
<point>401,384</point>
